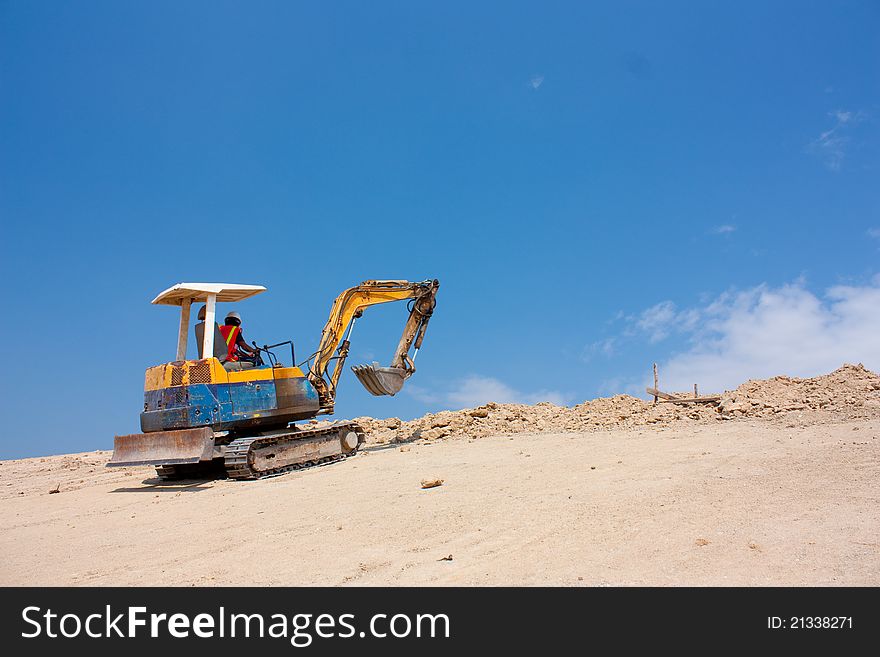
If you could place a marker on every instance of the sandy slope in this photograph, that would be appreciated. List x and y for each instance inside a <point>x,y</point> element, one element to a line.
<point>740,502</point>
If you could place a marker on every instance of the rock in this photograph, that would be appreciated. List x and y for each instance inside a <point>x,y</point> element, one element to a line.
<point>435,433</point>
<point>431,483</point>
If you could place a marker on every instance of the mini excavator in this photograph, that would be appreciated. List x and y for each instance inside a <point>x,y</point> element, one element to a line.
<point>216,412</point>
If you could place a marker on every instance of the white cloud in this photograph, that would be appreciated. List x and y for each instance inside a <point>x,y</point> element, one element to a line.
<point>874,232</point>
<point>764,332</point>
<point>476,390</point>
<point>536,81</point>
<point>724,229</point>
<point>599,348</point>
<point>831,144</point>
<point>422,394</point>
<point>662,319</point>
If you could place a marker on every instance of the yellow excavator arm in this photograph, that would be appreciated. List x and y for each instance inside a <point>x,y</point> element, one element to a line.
<point>335,343</point>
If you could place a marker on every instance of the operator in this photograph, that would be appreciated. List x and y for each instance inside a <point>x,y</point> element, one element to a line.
<point>235,342</point>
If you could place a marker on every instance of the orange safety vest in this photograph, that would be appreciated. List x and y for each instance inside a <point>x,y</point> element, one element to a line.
<point>230,334</point>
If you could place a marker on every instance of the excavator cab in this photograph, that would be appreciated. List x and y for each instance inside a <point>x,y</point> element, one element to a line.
<point>185,295</point>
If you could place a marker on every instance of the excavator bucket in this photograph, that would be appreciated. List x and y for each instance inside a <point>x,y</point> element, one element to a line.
<point>381,380</point>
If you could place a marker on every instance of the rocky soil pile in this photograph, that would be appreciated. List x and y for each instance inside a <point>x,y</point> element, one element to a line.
<point>850,391</point>
<point>847,390</point>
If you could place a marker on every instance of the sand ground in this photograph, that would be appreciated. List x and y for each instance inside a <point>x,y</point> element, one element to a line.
<point>750,502</point>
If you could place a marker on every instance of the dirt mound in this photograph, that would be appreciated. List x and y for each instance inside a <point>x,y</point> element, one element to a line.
<point>847,389</point>
<point>850,391</point>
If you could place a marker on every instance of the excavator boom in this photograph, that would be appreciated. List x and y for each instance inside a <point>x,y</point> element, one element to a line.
<point>335,344</point>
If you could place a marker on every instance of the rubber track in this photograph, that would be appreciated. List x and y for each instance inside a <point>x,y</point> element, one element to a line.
<point>238,464</point>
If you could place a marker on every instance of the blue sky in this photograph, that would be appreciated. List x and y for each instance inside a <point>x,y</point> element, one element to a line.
<point>597,187</point>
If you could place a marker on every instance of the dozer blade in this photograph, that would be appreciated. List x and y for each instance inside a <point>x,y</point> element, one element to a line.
<point>163,447</point>
<point>381,380</point>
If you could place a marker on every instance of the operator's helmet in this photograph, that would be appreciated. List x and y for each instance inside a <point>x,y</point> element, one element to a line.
<point>233,315</point>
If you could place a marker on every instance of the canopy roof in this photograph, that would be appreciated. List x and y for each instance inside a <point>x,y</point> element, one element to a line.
<point>226,292</point>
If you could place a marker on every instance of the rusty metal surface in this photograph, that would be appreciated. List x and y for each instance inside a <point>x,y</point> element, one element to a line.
<point>163,447</point>
<point>297,396</point>
<point>381,381</point>
<point>269,456</point>
<point>296,451</point>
